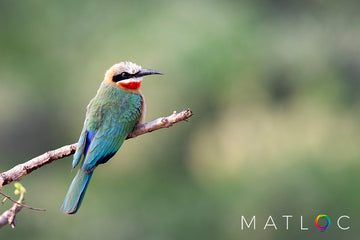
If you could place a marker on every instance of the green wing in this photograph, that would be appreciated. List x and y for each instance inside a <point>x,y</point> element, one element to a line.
<point>117,120</point>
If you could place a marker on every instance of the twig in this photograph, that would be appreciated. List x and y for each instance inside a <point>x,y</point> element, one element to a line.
<point>21,204</point>
<point>17,172</point>
<point>10,215</point>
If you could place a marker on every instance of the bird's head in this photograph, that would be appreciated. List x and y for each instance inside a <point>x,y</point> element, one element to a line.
<point>127,75</point>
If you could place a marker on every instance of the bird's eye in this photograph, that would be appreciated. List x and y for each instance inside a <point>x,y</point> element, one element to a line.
<point>124,75</point>
<point>121,76</point>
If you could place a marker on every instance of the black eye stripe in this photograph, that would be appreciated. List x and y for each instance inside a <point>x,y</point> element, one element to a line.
<point>122,76</point>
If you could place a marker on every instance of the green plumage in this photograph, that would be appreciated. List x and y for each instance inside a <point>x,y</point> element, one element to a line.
<point>110,117</point>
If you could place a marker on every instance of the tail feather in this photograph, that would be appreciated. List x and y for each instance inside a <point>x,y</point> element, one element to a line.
<point>76,192</point>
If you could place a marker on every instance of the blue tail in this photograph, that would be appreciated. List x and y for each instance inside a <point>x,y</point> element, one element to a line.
<point>76,192</point>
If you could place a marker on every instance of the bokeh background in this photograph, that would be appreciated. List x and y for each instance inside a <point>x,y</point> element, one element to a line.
<point>275,91</point>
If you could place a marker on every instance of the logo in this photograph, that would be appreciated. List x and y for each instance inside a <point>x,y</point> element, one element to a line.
<point>322,222</point>
<point>327,222</point>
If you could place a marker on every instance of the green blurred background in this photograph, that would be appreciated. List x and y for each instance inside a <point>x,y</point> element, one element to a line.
<point>274,86</point>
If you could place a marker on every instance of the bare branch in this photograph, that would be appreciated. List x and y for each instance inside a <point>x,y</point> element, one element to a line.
<point>8,217</point>
<point>17,172</point>
<point>163,122</point>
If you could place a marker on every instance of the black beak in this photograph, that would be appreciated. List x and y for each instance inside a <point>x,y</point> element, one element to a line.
<point>144,72</point>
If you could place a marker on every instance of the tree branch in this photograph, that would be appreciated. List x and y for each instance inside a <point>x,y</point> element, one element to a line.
<point>17,172</point>
<point>8,217</point>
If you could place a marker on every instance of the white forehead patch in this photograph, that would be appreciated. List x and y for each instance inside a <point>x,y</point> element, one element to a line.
<point>129,67</point>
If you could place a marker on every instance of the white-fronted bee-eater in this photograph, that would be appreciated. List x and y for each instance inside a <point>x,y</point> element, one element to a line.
<point>111,115</point>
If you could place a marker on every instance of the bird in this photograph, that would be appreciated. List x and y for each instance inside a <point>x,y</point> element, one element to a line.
<point>111,115</point>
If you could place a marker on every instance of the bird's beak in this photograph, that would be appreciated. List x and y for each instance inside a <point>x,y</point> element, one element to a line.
<point>144,72</point>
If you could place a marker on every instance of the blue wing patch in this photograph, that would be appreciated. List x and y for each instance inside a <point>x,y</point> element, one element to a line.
<point>89,137</point>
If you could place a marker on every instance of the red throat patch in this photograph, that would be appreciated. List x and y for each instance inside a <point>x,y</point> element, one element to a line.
<point>130,85</point>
